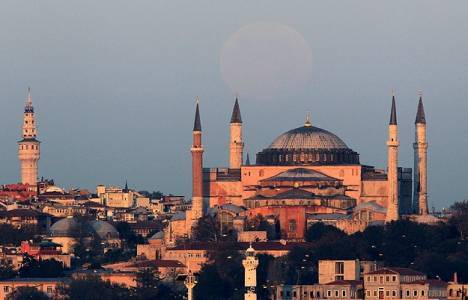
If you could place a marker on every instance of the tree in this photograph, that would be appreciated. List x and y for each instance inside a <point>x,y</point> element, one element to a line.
<point>224,278</point>
<point>322,231</point>
<point>40,268</point>
<point>126,233</point>
<point>258,223</point>
<point>27,293</point>
<point>93,288</point>
<point>208,229</point>
<point>6,271</point>
<point>460,218</point>
<point>10,235</point>
<point>150,286</point>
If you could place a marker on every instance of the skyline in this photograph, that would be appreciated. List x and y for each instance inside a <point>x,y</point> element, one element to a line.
<point>140,130</point>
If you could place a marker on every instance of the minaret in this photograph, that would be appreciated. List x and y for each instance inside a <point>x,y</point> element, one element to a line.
<point>250,264</point>
<point>190,282</point>
<point>236,146</point>
<point>420,162</point>
<point>392,173</point>
<point>29,146</point>
<point>247,160</point>
<point>197,167</point>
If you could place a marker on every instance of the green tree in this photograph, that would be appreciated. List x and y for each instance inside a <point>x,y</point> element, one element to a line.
<point>224,278</point>
<point>93,288</point>
<point>208,229</point>
<point>6,271</point>
<point>150,286</point>
<point>460,218</point>
<point>40,268</point>
<point>27,293</point>
<point>10,235</point>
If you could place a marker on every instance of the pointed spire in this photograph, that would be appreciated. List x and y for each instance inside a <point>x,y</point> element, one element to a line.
<point>236,114</point>
<point>126,186</point>
<point>29,99</point>
<point>29,107</point>
<point>308,123</point>
<point>393,116</point>
<point>420,115</point>
<point>197,123</point>
<point>247,161</point>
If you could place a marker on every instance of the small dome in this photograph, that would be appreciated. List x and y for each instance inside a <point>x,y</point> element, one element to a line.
<point>104,230</point>
<point>308,137</point>
<point>70,227</point>
<point>67,227</point>
<point>54,189</point>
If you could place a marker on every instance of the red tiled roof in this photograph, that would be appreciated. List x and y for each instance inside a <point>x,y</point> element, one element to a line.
<point>431,282</point>
<point>158,263</point>
<point>22,213</point>
<point>394,270</point>
<point>259,246</point>
<point>345,282</point>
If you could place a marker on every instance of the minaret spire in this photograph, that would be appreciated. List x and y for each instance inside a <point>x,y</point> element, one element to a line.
<point>420,115</point>
<point>236,145</point>
<point>197,210</point>
<point>197,122</point>
<point>392,173</point>
<point>393,114</point>
<point>247,161</point>
<point>420,204</point>
<point>236,114</point>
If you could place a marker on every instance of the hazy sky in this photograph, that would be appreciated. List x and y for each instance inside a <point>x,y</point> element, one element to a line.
<point>114,83</point>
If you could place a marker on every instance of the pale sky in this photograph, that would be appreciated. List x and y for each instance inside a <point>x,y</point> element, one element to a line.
<point>114,82</point>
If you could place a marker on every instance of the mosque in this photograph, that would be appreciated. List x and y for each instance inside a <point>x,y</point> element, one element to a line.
<point>306,175</point>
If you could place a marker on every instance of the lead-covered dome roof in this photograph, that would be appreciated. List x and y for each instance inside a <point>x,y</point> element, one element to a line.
<point>308,137</point>
<point>71,227</point>
<point>307,145</point>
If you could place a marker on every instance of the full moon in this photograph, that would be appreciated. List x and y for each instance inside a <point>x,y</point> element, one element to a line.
<point>261,60</point>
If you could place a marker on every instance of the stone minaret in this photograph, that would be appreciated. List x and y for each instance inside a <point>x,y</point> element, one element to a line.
<point>250,264</point>
<point>392,145</point>
<point>29,146</point>
<point>236,146</point>
<point>190,282</point>
<point>197,167</point>
<point>420,162</point>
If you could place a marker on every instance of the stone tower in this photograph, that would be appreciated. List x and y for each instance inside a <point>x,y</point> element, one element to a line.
<point>420,162</point>
<point>197,167</point>
<point>236,146</point>
<point>392,173</point>
<point>250,264</point>
<point>29,146</point>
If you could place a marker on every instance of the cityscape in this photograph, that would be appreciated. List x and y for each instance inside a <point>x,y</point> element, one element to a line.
<point>294,213</point>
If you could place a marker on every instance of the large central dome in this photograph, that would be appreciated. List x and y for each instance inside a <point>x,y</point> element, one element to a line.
<point>307,145</point>
<point>308,137</point>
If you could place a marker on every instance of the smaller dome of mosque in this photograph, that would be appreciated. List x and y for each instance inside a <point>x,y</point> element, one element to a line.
<point>70,227</point>
<point>54,189</point>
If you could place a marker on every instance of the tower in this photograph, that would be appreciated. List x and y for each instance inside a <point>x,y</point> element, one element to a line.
<point>29,146</point>
<point>392,173</point>
<point>250,264</point>
<point>236,146</point>
<point>420,161</point>
<point>197,167</point>
<point>190,282</point>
